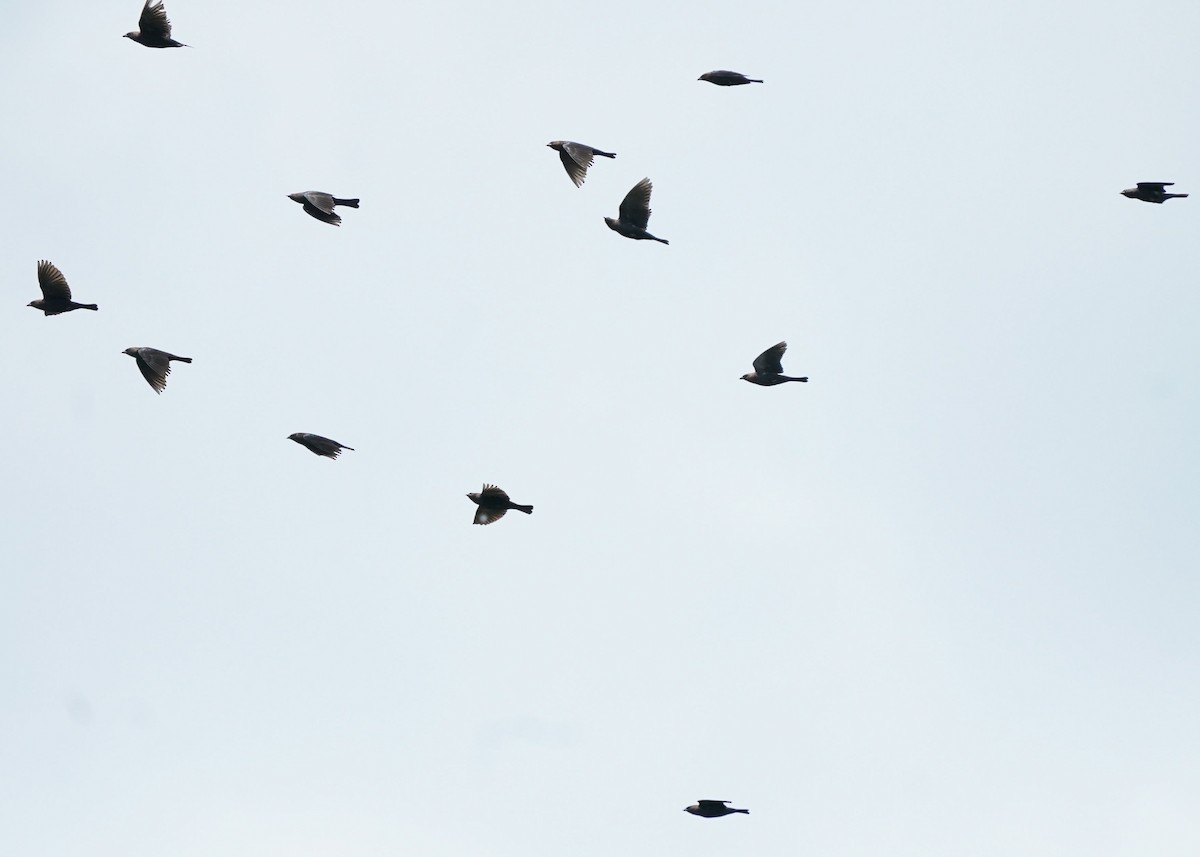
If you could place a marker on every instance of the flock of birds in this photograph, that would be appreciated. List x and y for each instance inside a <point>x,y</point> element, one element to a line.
<point>633,217</point>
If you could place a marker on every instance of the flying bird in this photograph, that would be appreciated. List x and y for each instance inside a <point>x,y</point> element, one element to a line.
<point>155,365</point>
<point>576,158</point>
<point>634,214</point>
<point>319,445</point>
<point>726,78</point>
<point>56,294</point>
<point>155,29</point>
<point>320,205</point>
<point>1152,192</point>
<point>713,809</point>
<point>493,503</point>
<point>768,368</point>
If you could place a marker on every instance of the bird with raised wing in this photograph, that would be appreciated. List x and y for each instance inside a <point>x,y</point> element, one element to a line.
<point>576,158</point>
<point>634,214</point>
<point>155,365</point>
<point>1152,192</point>
<point>721,77</point>
<point>319,445</point>
<point>56,294</point>
<point>320,205</point>
<point>155,28</point>
<point>493,503</point>
<point>768,368</point>
<point>713,809</point>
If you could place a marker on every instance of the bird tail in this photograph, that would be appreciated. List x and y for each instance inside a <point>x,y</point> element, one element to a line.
<point>746,810</point>
<point>752,80</point>
<point>350,203</point>
<point>604,154</point>
<point>528,510</point>
<point>1177,196</point>
<point>184,359</point>
<point>663,240</point>
<point>89,306</point>
<point>804,379</point>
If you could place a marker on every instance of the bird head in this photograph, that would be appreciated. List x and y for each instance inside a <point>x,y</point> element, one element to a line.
<point>35,304</point>
<point>133,34</point>
<point>554,144</point>
<point>474,496</point>
<point>132,351</point>
<point>749,376</point>
<point>296,436</point>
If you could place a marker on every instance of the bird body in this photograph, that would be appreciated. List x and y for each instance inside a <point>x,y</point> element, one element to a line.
<point>155,364</point>
<point>320,205</point>
<point>56,294</point>
<point>493,502</point>
<point>576,158</point>
<point>319,445</point>
<point>634,214</point>
<point>721,77</point>
<point>713,809</point>
<point>1152,192</point>
<point>154,28</point>
<point>768,368</point>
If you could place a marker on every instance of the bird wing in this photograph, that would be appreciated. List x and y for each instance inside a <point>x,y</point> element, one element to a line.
<point>770,362</point>
<point>53,283</point>
<point>319,200</point>
<point>713,802</point>
<point>321,214</point>
<point>1153,185</point>
<point>493,492</point>
<point>635,207</point>
<point>576,158</point>
<point>154,21</point>
<point>155,367</point>
<point>485,515</point>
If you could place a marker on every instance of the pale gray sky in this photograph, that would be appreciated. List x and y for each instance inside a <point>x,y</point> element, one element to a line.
<point>940,601</point>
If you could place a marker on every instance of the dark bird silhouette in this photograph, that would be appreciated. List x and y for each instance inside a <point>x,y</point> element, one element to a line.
<point>493,503</point>
<point>576,158</point>
<point>56,294</point>
<point>319,445</point>
<point>768,368</point>
<point>155,29</point>
<point>634,214</point>
<point>320,205</point>
<point>726,78</point>
<point>713,809</point>
<point>1152,192</point>
<point>155,365</point>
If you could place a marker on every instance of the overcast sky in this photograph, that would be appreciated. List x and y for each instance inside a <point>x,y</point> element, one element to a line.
<point>938,602</point>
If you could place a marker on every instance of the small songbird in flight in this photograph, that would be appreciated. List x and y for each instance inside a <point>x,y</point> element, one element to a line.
<point>726,78</point>
<point>713,809</point>
<point>576,158</point>
<point>155,29</point>
<point>319,445</point>
<point>155,365</point>
<point>56,294</point>
<point>320,205</point>
<point>493,503</point>
<point>768,368</point>
<point>1152,192</point>
<point>634,214</point>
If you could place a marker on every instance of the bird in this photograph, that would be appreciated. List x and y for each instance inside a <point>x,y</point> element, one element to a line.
<point>634,214</point>
<point>722,77</point>
<point>319,445</point>
<point>320,205</point>
<point>155,29</point>
<point>56,294</point>
<point>1152,192</point>
<point>155,365</point>
<point>493,503</point>
<point>576,158</point>
<point>768,368</point>
<point>713,809</point>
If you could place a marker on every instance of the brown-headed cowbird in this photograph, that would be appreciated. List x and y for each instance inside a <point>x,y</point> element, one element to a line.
<point>1152,192</point>
<point>155,365</point>
<point>320,205</point>
<point>576,158</point>
<point>493,503</point>
<point>155,29</point>
<point>713,809</point>
<point>726,78</point>
<point>768,368</point>
<point>319,445</point>
<point>634,214</point>
<point>56,294</point>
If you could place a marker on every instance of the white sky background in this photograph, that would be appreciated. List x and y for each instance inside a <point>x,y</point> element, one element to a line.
<point>940,601</point>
